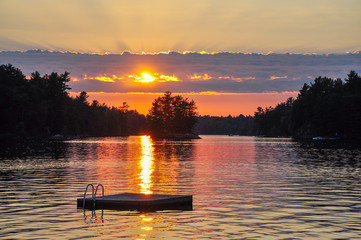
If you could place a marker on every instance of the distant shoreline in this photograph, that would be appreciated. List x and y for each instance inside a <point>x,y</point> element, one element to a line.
<point>177,136</point>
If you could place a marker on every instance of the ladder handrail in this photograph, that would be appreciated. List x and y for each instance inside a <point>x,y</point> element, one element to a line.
<point>94,193</point>
<point>96,190</point>
<point>86,189</point>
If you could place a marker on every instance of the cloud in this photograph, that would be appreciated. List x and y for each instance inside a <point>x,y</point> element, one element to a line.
<point>186,72</point>
<point>165,78</point>
<point>103,78</point>
<point>203,77</point>
<point>237,79</point>
<point>275,77</point>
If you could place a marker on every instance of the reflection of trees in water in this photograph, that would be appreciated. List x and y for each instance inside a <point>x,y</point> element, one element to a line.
<point>115,164</point>
<point>33,150</point>
<point>182,150</point>
<point>173,164</point>
<point>31,165</point>
<point>320,154</point>
<point>275,153</point>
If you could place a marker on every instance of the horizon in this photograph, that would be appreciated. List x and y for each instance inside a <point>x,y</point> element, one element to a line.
<point>142,102</point>
<point>221,84</point>
<point>168,52</point>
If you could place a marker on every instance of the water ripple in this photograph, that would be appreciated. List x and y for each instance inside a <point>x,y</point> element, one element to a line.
<point>242,187</point>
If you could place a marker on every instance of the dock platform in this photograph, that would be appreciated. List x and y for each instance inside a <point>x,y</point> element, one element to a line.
<point>138,201</point>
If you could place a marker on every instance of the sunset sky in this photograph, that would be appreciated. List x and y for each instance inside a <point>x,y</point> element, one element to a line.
<point>229,56</point>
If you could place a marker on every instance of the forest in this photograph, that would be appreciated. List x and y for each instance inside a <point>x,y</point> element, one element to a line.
<point>40,107</point>
<point>329,108</point>
<point>229,125</point>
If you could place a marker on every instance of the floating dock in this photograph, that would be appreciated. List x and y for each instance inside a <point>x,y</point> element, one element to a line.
<point>138,201</point>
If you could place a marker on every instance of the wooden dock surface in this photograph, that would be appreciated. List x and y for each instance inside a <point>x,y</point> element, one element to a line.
<point>138,201</point>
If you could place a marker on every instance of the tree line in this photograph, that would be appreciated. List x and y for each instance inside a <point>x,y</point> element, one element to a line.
<point>326,107</point>
<point>40,107</point>
<point>229,125</point>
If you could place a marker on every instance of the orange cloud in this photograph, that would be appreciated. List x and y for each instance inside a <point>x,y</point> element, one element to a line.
<point>165,78</point>
<point>103,78</point>
<point>204,77</point>
<point>155,77</point>
<point>236,79</point>
<point>275,77</point>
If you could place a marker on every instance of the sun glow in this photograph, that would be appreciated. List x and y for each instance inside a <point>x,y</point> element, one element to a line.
<point>143,78</point>
<point>147,77</point>
<point>152,78</point>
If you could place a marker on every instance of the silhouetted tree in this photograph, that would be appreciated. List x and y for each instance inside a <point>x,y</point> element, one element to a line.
<point>13,100</point>
<point>351,103</point>
<point>172,115</point>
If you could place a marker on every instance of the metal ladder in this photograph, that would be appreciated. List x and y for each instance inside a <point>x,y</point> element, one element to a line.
<point>94,193</point>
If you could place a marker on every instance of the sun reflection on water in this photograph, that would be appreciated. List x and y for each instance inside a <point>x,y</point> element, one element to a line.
<point>146,165</point>
<point>145,227</point>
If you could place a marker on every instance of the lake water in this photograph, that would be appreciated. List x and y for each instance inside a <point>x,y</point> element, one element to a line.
<point>242,187</point>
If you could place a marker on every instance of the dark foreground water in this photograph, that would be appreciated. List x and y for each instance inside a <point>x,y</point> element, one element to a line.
<point>242,187</point>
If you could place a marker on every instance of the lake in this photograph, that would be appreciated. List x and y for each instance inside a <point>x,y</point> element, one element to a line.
<point>242,187</point>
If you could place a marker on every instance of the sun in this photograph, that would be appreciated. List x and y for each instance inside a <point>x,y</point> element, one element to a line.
<point>143,78</point>
<point>146,78</point>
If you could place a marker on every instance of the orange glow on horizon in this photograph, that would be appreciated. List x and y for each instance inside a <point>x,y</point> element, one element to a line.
<point>208,103</point>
